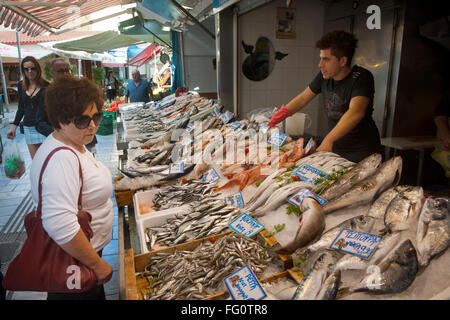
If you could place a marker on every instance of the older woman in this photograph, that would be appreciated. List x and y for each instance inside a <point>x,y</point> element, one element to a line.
<point>31,96</point>
<point>74,107</point>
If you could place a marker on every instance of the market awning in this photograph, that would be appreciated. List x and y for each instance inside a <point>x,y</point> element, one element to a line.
<point>11,52</point>
<point>146,55</point>
<point>138,26</point>
<point>34,17</point>
<point>103,42</point>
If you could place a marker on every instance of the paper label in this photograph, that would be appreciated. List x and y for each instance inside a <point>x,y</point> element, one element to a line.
<point>263,128</point>
<point>357,243</point>
<point>210,175</point>
<point>297,198</point>
<point>277,138</point>
<point>246,225</point>
<point>190,127</point>
<point>308,173</point>
<point>226,117</point>
<point>176,168</point>
<point>243,285</point>
<point>309,145</point>
<point>235,200</point>
<point>216,112</point>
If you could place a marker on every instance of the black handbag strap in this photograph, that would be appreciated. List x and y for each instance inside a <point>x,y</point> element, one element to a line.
<point>44,166</point>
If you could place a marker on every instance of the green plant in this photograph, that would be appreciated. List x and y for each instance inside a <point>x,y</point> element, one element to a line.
<point>98,74</point>
<point>48,74</point>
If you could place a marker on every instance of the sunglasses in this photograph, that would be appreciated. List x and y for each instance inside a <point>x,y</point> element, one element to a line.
<point>30,69</point>
<point>82,122</point>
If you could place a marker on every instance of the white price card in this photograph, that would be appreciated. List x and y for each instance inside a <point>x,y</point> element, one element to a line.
<point>216,112</point>
<point>210,175</point>
<point>243,285</point>
<point>357,243</point>
<point>263,128</point>
<point>235,200</point>
<point>277,138</point>
<point>176,168</point>
<point>309,145</point>
<point>308,173</point>
<point>190,127</point>
<point>246,225</point>
<point>226,117</point>
<point>297,198</point>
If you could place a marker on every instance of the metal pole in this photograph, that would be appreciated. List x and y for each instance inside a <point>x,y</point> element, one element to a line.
<point>20,56</point>
<point>79,68</point>
<point>5,90</point>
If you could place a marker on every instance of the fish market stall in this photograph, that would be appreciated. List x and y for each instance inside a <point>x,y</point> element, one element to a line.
<point>346,230</point>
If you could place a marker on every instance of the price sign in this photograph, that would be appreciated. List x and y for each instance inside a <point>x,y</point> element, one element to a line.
<point>210,175</point>
<point>357,243</point>
<point>309,145</point>
<point>308,173</point>
<point>176,168</point>
<point>190,127</point>
<point>243,285</point>
<point>263,128</point>
<point>246,225</point>
<point>297,198</point>
<point>235,200</point>
<point>277,138</point>
<point>226,117</point>
<point>216,112</point>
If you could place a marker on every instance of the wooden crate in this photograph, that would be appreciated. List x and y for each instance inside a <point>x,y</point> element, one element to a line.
<point>297,276</point>
<point>271,241</point>
<point>123,197</point>
<point>133,286</point>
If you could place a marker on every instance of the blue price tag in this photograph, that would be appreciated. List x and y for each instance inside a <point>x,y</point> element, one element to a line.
<point>226,117</point>
<point>235,200</point>
<point>309,145</point>
<point>190,127</point>
<point>216,112</point>
<point>176,168</point>
<point>297,198</point>
<point>210,175</point>
<point>264,128</point>
<point>308,173</point>
<point>277,138</point>
<point>243,285</point>
<point>357,243</point>
<point>246,225</point>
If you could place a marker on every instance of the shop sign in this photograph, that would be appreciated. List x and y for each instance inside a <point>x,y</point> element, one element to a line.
<point>246,225</point>
<point>243,285</point>
<point>308,173</point>
<point>357,243</point>
<point>235,200</point>
<point>297,198</point>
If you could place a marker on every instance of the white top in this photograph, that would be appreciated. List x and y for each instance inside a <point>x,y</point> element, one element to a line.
<point>60,190</point>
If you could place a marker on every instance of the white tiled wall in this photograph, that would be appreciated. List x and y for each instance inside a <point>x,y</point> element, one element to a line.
<point>291,75</point>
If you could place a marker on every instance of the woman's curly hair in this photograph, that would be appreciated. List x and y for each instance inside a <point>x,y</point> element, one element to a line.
<point>68,97</point>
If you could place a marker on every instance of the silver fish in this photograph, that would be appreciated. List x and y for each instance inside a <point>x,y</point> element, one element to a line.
<point>404,209</point>
<point>311,226</point>
<point>362,170</point>
<point>330,287</point>
<point>433,232</point>
<point>379,206</point>
<point>365,191</point>
<point>394,274</point>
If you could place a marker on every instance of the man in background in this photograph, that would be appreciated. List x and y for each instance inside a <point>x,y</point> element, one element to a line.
<point>138,90</point>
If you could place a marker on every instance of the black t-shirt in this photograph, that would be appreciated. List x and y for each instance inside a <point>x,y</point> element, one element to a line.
<point>28,106</point>
<point>443,109</point>
<point>337,95</point>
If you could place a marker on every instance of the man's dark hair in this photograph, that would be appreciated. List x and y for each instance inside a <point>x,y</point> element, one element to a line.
<point>341,44</point>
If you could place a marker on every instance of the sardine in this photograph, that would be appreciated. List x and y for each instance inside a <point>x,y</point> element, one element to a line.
<point>365,191</point>
<point>433,232</point>
<point>393,274</point>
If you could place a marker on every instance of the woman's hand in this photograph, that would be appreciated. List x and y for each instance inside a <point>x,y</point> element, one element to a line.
<point>103,271</point>
<point>12,132</point>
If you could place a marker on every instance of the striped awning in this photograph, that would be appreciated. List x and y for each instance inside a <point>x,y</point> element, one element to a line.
<point>34,17</point>
<point>147,54</point>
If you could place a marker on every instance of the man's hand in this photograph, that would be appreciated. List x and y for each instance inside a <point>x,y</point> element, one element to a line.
<point>326,145</point>
<point>279,116</point>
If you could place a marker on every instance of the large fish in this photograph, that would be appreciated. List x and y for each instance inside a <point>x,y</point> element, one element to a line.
<point>379,206</point>
<point>365,191</point>
<point>312,223</point>
<point>433,232</point>
<point>314,280</point>
<point>362,170</point>
<point>393,274</point>
<point>404,209</point>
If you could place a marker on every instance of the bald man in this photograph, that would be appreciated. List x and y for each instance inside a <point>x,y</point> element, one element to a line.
<point>138,90</point>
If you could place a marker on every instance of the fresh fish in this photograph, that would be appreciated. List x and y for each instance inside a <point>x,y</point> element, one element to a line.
<point>365,191</point>
<point>378,208</point>
<point>362,170</point>
<point>175,176</point>
<point>433,232</point>
<point>359,223</point>
<point>313,281</point>
<point>280,196</point>
<point>264,185</point>
<point>311,226</point>
<point>393,274</point>
<point>330,287</point>
<point>404,209</point>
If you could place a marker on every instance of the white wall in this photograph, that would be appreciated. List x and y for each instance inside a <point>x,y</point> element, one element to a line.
<point>291,75</point>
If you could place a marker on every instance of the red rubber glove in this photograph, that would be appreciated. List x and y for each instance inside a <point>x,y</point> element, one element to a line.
<point>279,116</point>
